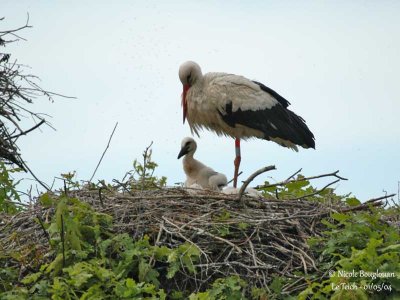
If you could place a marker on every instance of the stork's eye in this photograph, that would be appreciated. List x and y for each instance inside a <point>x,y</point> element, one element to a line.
<point>187,144</point>
<point>188,78</point>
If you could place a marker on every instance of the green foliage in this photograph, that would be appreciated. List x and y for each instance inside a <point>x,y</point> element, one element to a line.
<point>8,192</point>
<point>89,262</point>
<point>229,288</point>
<point>70,181</point>
<point>300,188</point>
<point>142,176</point>
<point>361,255</point>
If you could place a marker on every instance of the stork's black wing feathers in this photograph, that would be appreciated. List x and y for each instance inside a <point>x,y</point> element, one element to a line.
<point>275,122</point>
<point>274,94</point>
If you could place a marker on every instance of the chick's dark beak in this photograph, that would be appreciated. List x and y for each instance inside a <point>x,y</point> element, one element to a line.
<point>184,151</point>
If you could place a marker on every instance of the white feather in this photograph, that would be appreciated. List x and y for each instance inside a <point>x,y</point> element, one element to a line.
<point>248,191</point>
<point>209,95</point>
<point>199,174</point>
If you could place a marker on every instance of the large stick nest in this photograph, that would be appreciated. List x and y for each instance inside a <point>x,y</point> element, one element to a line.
<point>253,238</point>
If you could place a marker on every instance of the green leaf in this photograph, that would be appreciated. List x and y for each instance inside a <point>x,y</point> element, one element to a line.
<point>353,201</point>
<point>46,200</point>
<point>276,285</point>
<point>340,217</point>
<point>31,278</point>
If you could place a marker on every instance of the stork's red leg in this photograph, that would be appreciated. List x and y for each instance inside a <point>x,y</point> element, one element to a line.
<point>237,162</point>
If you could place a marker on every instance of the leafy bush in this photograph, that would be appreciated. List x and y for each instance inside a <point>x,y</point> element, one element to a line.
<point>9,196</point>
<point>354,248</point>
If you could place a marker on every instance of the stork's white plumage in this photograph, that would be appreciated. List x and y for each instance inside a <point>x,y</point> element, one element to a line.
<point>196,172</point>
<point>235,106</point>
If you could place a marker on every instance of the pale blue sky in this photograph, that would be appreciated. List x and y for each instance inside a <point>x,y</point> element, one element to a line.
<point>337,63</point>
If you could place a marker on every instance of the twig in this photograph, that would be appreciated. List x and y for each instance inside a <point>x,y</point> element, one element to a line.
<point>36,178</point>
<point>101,197</point>
<point>379,198</point>
<point>294,174</point>
<point>181,235</point>
<point>65,188</point>
<point>44,229</point>
<point>240,173</point>
<point>334,174</point>
<point>251,178</point>
<point>29,130</point>
<point>203,232</point>
<point>104,152</point>
<point>15,203</point>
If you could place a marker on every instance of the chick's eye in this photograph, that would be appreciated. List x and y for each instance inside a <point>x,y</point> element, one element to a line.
<point>187,144</point>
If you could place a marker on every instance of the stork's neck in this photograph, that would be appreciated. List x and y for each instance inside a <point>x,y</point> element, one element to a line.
<point>198,83</point>
<point>189,157</point>
<point>191,166</point>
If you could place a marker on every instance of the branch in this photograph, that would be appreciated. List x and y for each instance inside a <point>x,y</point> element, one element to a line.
<point>294,174</point>
<point>34,176</point>
<point>29,130</point>
<point>44,229</point>
<point>240,173</point>
<point>251,178</point>
<point>12,32</point>
<point>104,152</point>
<point>334,174</point>
<point>379,198</point>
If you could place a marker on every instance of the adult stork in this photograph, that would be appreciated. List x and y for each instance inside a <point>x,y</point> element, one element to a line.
<point>238,107</point>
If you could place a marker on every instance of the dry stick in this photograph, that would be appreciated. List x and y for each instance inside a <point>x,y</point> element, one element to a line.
<point>65,188</point>
<point>34,176</point>
<point>29,130</point>
<point>16,203</point>
<point>240,173</point>
<point>202,231</point>
<point>294,174</point>
<point>227,197</point>
<point>288,286</point>
<point>334,174</point>
<point>101,197</point>
<point>201,217</point>
<point>373,202</point>
<point>379,198</point>
<point>104,152</point>
<point>44,229</point>
<point>301,251</point>
<point>251,178</point>
<point>181,235</point>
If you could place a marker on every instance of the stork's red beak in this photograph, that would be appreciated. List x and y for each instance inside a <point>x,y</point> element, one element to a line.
<point>186,87</point>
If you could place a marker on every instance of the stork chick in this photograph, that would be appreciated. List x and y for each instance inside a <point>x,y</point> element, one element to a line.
<point>196,172</point>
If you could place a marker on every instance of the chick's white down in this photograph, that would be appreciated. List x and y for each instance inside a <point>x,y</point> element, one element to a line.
<point>196,172</point>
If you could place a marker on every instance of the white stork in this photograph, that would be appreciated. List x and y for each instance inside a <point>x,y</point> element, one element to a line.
<point>196,172</point>
<point>235,106</point>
